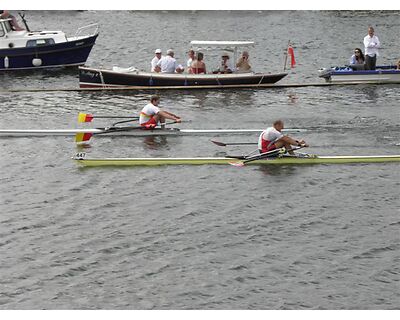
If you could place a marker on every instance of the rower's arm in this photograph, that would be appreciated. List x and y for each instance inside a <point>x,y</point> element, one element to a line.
<point>292,141</point>
<point>169,115</point>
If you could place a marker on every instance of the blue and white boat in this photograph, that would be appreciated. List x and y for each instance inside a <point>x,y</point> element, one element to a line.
<point>356,74</point>
<point>25,49</point>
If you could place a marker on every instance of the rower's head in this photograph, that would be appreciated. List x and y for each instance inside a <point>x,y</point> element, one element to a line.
<point>278,125</point>
<point>155,100</point>
<point>371,31</point>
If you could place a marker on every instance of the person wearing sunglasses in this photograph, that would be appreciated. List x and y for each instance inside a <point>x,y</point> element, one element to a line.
<point>357,57</point>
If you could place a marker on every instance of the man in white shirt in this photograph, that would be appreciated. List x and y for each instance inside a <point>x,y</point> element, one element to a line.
<point>168,64</point>
<point>226,64</point>
<point>273,138</point>
<point>371,44</point>
<point>155,60</point>
<point>151,115</point>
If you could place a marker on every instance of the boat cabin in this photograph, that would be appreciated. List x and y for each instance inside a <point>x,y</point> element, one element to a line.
<point>10,38</point>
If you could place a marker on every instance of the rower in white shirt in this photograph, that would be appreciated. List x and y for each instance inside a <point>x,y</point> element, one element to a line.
<point>273,138</point>
<point>371,44</point>
<point>151,115</point>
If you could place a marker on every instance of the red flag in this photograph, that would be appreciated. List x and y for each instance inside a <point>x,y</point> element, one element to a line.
<point>292,59</point>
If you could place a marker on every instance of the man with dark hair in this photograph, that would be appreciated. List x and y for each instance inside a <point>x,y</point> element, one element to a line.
<point>273,138</point>
<point>151,115</point>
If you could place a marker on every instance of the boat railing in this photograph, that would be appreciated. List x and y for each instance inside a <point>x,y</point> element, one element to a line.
<point>84,31</point>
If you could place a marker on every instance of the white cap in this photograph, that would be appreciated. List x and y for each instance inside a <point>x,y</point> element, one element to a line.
<point>158,51</point>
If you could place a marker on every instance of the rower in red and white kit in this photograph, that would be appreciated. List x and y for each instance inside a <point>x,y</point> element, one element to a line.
<point>273,138</point>
<point>151,115</point>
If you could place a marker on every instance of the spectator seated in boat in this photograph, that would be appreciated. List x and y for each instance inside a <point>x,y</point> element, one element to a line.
<point>357,60</point>
<point>155,60</point>
<point>168,64</point>
<point>398,65</point>
<point>226,66</point>
<point>243,64</point>
<point>4,14</point>
<point>198,66</point>
<point>191,59</point>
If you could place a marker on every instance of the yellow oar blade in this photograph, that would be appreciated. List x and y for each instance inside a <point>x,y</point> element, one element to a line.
<point>85,117</point>
<point>82,137</point>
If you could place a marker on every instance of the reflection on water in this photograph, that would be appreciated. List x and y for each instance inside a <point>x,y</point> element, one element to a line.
<point>278,170</point>
<point>156,142</point>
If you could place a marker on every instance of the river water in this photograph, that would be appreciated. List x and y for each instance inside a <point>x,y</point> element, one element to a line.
<point>204,237</point>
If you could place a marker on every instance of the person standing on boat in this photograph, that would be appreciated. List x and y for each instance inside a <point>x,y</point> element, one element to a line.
<point>155,60</point>
<point>4,14</point>
<point>357,57</point>
<point>371,44</point>
<point>168,64</point>
<point>272,138</point>
<point>151,115</point>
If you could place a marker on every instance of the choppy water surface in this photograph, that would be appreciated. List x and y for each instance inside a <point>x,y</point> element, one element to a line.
<point>206,237</point>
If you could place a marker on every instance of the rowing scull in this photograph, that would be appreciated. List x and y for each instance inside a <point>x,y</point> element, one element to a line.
<point>127,131</point>
<point>285,160</point>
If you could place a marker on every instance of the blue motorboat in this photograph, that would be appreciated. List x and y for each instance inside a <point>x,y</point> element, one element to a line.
<point>25,49</point>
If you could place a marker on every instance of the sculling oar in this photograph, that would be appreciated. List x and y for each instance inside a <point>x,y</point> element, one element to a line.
<point>269,154</point>
<point>87,117</point>
<point>223,144</point>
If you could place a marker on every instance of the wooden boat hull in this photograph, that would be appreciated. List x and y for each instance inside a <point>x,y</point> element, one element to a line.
<point>287,160</point>
<point>99,78</point>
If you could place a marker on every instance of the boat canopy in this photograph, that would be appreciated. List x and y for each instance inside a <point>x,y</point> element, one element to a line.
<point>231,46</point>
<point>222,44</point>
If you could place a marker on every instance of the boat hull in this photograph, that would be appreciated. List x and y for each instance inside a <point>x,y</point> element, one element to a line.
<point>134,133</point>
<point>70,53</point>
<point>224,161</point>
<point>99,78</point>
<point>382,74</point>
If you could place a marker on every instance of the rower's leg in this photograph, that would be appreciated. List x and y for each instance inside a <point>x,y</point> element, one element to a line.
<point>287,145</point>
<point>162,121</point>
<point>157,118</point>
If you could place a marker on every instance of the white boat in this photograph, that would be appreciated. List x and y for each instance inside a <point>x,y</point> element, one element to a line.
<point>128,131</point>
<point>353,74</point>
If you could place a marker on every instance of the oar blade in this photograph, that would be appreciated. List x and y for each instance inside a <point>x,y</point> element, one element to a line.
<point>237,163</point>
<point>218,143</point>
<point>85,117</point>
<point>83,137</point>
